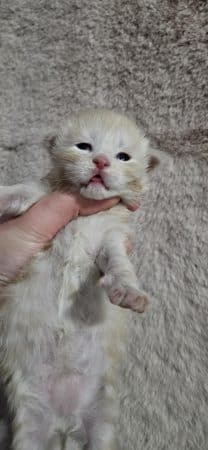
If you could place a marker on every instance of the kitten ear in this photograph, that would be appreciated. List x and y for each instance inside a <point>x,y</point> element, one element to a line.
<point>157,157</point>
<point>49,144</point>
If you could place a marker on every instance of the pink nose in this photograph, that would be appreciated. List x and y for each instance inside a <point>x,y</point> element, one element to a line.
<point>101,161</point>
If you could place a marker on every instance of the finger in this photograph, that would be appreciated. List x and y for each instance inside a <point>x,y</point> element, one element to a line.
<point>44,219</point>
<point>133,206</point>
<point>89,206</point>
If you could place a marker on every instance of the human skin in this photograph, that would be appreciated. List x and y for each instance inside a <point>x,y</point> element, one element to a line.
<point>24,236</point>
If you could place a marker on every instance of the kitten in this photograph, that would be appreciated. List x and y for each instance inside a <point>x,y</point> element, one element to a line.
<point>62,333</point>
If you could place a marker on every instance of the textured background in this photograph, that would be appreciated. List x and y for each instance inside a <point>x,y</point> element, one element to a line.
<point>148,57</point>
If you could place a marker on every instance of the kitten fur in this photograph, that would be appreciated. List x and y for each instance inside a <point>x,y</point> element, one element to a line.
<point>62,331</point>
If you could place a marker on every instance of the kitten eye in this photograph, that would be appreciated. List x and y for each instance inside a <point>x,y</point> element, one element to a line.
<point>123,156</point>
<point>84,146</point>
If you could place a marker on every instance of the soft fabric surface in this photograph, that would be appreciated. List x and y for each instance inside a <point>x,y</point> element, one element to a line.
<point>150,58</point>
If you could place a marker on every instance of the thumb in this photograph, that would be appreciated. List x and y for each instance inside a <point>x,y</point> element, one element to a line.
<point>51,213</point>
<point>88,206</point>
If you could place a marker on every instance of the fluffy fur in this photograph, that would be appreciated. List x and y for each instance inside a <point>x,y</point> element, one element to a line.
<point>62,336</point>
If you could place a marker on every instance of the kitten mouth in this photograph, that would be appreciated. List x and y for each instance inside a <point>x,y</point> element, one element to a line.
<point>97,179</point>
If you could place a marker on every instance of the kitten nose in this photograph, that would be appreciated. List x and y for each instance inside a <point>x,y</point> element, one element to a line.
<point>101,161</point>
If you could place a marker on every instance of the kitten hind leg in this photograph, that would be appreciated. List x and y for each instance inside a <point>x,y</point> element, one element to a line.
<point>27,440</point>
<point>71,444</point>
<point>102,423</point>
<point>55,442</point>
<point>76,436</point>
<point>103,439</point>
<point>31,423</point>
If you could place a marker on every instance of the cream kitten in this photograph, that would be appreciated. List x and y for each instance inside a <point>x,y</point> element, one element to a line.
<point>61,334</point>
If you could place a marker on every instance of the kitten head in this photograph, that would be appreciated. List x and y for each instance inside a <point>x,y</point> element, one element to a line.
<point>103,154</point>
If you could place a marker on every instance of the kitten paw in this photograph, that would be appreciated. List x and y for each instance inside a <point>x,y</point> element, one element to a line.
<point>130,298</point>
<point>125,296</point>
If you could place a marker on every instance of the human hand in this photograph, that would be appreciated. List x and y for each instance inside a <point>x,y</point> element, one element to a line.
<point>22,237</point>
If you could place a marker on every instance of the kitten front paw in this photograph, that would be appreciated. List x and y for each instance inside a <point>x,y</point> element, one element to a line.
<point>130,298</point>
<point>124,295</point>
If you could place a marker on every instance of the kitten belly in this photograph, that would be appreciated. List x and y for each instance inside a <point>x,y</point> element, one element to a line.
<point>62,326</point>
<point>69,395</point>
